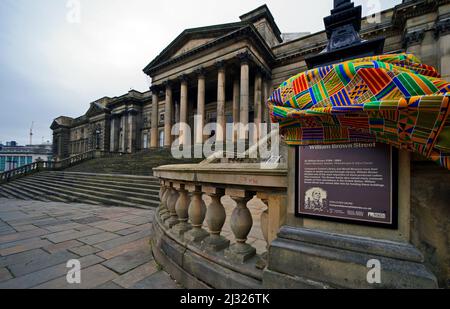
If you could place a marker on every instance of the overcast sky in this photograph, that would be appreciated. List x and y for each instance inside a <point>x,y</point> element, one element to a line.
<point>53,66</point>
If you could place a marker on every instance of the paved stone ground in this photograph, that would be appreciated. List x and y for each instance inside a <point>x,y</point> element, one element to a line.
<point>37,239</point>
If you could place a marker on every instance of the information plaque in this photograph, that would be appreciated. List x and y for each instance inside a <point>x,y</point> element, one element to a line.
<point>354,183</point>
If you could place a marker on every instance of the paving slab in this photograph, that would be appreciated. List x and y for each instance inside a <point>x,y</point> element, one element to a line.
<point>37,239</point>
<point>159,280</point>
<point>85,250</point>
<point>130,260</point>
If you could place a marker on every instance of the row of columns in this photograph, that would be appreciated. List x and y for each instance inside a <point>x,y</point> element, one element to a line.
<point>123,140</point>
<point>240,109</point>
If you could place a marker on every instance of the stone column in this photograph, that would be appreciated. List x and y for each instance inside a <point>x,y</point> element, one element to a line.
<point>220,130</point>
<point>258,106</point>
<point>215,218</point>
<point>266,94</point>
<point>155,117</point>
<point>241,225</point>
<point>200,107</point>
<point>442,34</point>
<point>114,143</point>
<point>197,213</point>
<point>245,76</point>
<point>132,130</point>
<point>183,109</point>
<point>236,107</point>
<point>124,125</point>
<point>168,116</point>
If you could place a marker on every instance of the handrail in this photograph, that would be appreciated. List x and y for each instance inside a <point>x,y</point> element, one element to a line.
<point>77,158</point>
<point>25,170</point>
<point>47,165</point>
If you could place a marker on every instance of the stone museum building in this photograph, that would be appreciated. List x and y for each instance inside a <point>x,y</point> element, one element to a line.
<point>224,73</point>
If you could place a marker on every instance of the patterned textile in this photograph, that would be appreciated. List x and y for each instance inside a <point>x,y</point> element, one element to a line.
<point>393,99</point>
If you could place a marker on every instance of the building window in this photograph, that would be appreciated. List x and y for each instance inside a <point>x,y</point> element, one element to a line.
<point>161,139</point>
<point>161,117</point>
<point>29,160</point>
<point>2,163</point>
<point>145,141</point>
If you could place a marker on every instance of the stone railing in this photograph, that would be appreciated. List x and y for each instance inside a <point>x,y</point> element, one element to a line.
<point>77,159</point>
<point>26,170</point>
<point>188,240</point>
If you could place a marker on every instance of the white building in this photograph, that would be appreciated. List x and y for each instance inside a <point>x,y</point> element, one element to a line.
<point>13,156</point>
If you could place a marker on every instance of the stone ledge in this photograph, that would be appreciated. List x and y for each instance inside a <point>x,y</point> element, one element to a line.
<point>396,250</point>
<point>343,268</point>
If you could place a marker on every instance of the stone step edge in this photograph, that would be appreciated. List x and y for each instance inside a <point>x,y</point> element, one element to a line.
<point>102,182</point>
<point>107,175</point>
<point>102,189</point>
<point>87,198</point>
<point>31,189</point>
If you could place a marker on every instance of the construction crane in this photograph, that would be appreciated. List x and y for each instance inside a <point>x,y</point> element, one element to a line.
<point>31,133</point>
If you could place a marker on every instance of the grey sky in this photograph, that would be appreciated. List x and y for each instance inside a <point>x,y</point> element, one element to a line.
<point>50,67</point>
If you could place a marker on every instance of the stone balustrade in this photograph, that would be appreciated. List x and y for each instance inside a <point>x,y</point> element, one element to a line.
<point>189,241</point>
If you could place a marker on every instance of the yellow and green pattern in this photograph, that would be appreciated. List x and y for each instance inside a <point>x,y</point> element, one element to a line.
<point>394,99</point>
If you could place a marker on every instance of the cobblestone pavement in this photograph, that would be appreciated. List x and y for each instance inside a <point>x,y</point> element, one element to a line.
<point>37,239</point>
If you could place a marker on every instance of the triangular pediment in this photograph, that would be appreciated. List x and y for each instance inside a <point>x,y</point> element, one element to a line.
<point>194,38</point>
<point>95,109</point>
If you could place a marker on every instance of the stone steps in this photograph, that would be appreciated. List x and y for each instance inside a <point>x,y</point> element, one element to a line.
<point>29,194</point>
<point>113,185</point>
<point>79,187</point>
<point>141,163</point>
<point>89,188</point>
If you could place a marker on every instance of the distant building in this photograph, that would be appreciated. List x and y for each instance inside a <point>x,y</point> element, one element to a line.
<point>13,156</point>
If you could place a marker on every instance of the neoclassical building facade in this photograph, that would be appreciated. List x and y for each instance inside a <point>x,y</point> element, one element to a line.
<point>224,73</point>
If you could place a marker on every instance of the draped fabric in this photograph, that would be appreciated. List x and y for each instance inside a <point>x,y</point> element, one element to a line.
<point>393,99</point>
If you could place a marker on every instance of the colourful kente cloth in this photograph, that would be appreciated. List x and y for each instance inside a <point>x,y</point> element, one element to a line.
<point>393,99</point>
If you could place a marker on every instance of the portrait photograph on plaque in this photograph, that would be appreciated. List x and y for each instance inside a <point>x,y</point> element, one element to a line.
<point>353,183</point>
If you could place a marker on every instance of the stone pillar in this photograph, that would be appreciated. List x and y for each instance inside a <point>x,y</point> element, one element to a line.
<point>114,140</point>
<point>124,125</point>
<point>220,130</point>
<point>266,94</point>
<point>168,116</point>
<point>241,225</point>
<point>245,76</point>
<point>200,107</point>
<point>132,131</point>
<point>236,107</point>
<point>197,213</point>
<point>183,110</point>
<point>155,117</point>
<point>442,34</point>
<point>215,218</point>
<point>258,105</point>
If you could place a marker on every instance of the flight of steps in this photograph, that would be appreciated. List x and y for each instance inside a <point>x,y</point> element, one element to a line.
<point>88,188</point>
<point>140,163</point>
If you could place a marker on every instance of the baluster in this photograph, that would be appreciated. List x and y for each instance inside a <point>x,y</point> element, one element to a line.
<point>182,207</point>
<point>197,213</point>
<point>171,201</point>
<point>215,218</point>
<point>164,211</point>
<point>241,225</point>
